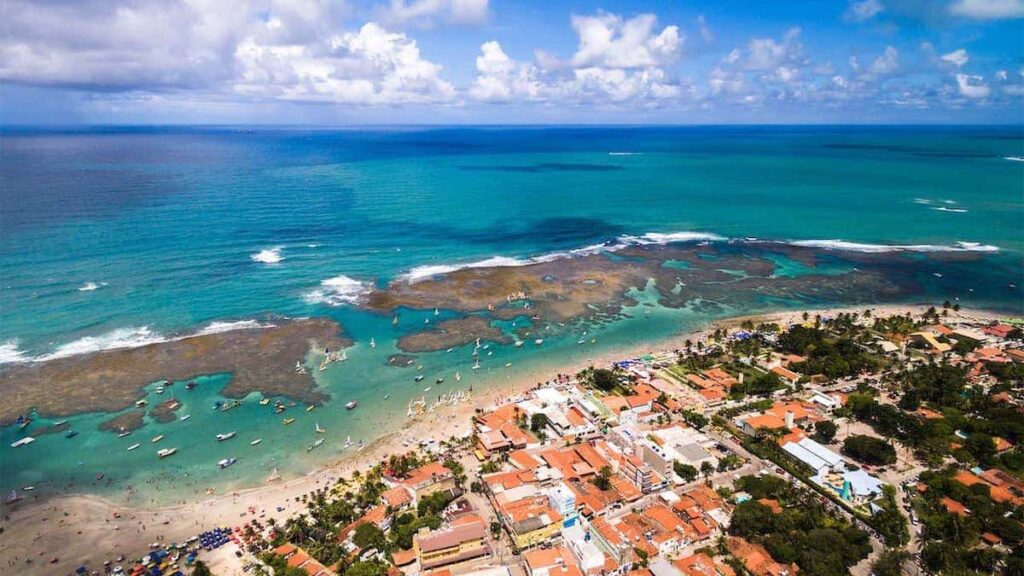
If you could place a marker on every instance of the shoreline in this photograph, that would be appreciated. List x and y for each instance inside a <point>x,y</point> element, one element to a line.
<point>107,528</point>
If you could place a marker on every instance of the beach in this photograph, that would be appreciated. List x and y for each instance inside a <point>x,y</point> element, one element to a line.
<point>79,527</point>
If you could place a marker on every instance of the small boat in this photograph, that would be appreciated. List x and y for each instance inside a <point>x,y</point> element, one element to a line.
<point>157,438</point>
<point>518,343</point>
<point>386,396</point>
<point>316,444</point>
<point>256,441</point>
<point>274,476</point>
<point>439,380</point>
<point>165,452</point>
<point>264,401</point>
<point>310,407</point>
<point>14,497</point>
<point>936,274</point>
<point>59,423</point>
<point>140,403</point>
<point>427,389</point>
<point>71,434</point>
<point>23,442</point>
<point>288,421</point>
<point>228,436</point>
<point>320,430</point>
<point>458,377</point>
<point>226,462</point>
<point>418,378</point>
<point>581,341</point>
<point>373,343</point>
<point>508,364</point>
<point>348,442</point>
<point>191,385</point>
<point>437,312</point>
<point>29,488</point>
<point>159,389</point>
<point>124,433</point>
<point>231,405</point>
<point>476,366</point>
<point>538,341</point>
<point>394,321</point>
<point>134,446</point>
<point>351,404</point>
<point>186,417</point>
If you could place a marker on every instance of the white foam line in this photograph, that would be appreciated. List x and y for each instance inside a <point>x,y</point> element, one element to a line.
<point>1014,158</point>
<point>337,291</point>
<point>268,255</point>
<point>883,248</point>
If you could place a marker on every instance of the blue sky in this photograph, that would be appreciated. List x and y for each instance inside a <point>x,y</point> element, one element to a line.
<point>340,62</point>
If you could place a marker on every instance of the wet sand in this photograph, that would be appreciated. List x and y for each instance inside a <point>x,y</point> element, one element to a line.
<point>260,359</point>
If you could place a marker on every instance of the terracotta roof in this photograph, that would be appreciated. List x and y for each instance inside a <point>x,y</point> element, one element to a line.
<point>953,507</point>
<point>432,472</point>
<point>765,422</point>
<point>396,497</point>
<point>403,557</point>
<point>453,537</point>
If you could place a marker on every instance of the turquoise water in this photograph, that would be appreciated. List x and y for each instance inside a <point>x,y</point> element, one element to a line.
<point>164,224</point>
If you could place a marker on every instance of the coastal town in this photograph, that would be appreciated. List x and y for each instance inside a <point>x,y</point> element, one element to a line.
<point>859,442</point>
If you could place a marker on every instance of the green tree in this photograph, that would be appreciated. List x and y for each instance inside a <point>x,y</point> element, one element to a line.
<point>367,569</point>
<point>869,450</point>
<point>825,431</point>
<point>603,478</point>
<point>685,471</point>
<point>200,569</point>
<point>368,535</point>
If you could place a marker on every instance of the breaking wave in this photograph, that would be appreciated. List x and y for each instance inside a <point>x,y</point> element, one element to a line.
<point>90,286</point>
<point>885,248</point>
<point>268,255</point>
<point>337,291</point>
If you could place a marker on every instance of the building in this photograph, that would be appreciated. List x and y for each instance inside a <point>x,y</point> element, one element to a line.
<point>530,521</point>
<point>296,557</point>
<point>557,561</point>
<point>465,540</point>
<point>428,479</point>
<point>757,560</point>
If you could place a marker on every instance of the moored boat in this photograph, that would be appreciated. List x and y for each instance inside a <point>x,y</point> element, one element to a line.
<point>224,463</point>
<point>227,436</point>
<point>134,446</point>
<point>256,441</point>
<point>157,438</point>
<point>351,404</point>
<point>23,442</point>
<point>165,452</point>
<point>288,421</point>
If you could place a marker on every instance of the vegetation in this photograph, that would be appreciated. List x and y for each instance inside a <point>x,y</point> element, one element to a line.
<point>869,450</point>
<point>603,478</point>
<point>825,431</point>
<point>803,532</point>
<point>685,471</point>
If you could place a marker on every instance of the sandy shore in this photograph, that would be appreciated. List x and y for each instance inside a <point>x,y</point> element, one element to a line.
<point>77,528</point>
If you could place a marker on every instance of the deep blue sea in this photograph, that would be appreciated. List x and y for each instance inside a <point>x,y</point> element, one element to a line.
<point>121,236</point>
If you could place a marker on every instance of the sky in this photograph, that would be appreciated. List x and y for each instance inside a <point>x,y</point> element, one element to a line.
<point>351,62</point>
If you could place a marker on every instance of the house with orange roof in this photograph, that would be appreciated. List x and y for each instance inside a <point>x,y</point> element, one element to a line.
<point>465,540</point>
<point>786,375</point>
<point>498,430</point>
<point>761,423</point>
<point>397,498</point>
<point>998,330</point>
<point>557,561</point>
<point>757,560</point>
<point>701,564</point>
<point>530,521</point>
<point>378,516</point>
<point>954,507</point>
<point>1014,354</point>
<point>296,557</point>
<point>427,479</point>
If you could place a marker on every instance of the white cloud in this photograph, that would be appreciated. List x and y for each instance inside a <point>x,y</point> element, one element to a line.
<point>428,13</point>
<point>705,33</point>
<point>972,86</point>
<point>500,78</point>
<point>608,41</point>
<point>887,63</point>
<point>766,53</point>
<point>988,9</point>
<point>957,57</point>
<point>862,10</point>
<point>370,66</point>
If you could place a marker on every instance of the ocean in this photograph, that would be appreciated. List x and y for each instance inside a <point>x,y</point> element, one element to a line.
<point>113,237</point>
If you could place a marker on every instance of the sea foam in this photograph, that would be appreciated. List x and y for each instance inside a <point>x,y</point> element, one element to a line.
<point>218,327</point>
<point>884,248</point>
<point>337,291</point>
<point>9,353</point>
<point>268,255</point>
<point>90,286</point>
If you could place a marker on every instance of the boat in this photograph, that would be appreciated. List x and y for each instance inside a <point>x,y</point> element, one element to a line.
<point>186,417</point>
<point>23,442</point>
<point>476,365</point>
<point>581,341</point>
<point>264,401</point>
<point>320,430</point>
<point>124,433</point>
<point>348,442</point>
<point>508,364</point>
<point>316,444</point>
<point>12,498</point>
<point>426,320</point>
<point>394,321</point>
<point>140,403</point>
<point>29,488</point>
<point>418,378</point>
<point>191,385</point>
<point>226,462</point>
<point>134,446</point>
<point>351,404</point>
<point>538,341</point>
<point>256,441</point>
<point>231,405</point>
<point>159,389</point>
<point>59,423</point>
<point>439,380</point>
<point>458,377</point>
<point>518,343</point>
<point>373,343</point>
<point>71,434</point>
<point>288,421</point>
<point>427,389</point>
<point>228,436</point>
<point>386,396</point>
<point>165,452</point>
<point>274,476</point>
<point>310,407</point>
<point>157,438</point>
<point>437,312</point>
